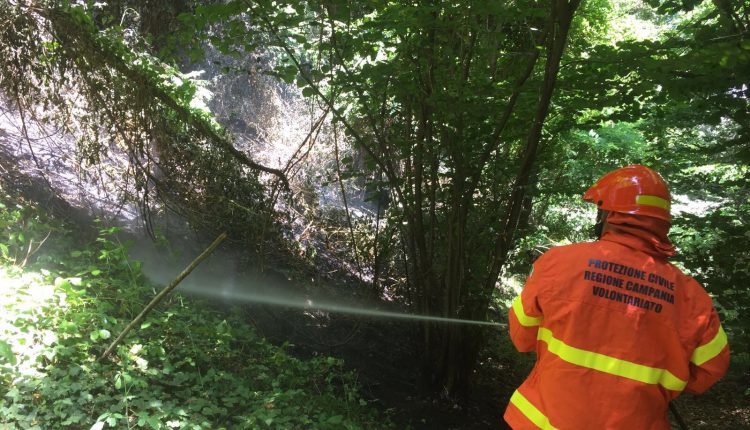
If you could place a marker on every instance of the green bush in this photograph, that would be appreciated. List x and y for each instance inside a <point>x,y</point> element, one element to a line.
<point>187,367</point>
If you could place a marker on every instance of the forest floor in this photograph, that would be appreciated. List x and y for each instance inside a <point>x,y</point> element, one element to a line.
<point>382,353</point>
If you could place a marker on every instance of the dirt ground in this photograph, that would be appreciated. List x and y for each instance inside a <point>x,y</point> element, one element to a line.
<point>723,406</point>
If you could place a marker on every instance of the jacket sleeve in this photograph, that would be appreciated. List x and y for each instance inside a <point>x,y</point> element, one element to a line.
<point>525,314</point>
<point>710,360</point>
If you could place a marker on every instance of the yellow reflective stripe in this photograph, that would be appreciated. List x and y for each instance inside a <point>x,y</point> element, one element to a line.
<point>710,350</point>
<point>531,412</point>
<point>652,201</point>
<point>524,319</point>
<point>611,365</point>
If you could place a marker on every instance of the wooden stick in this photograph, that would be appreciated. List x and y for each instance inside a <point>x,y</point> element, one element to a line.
<point>159,297</point>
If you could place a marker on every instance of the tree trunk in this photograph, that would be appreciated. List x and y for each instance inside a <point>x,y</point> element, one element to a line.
<point>562,16</point>
<point>460,346</point>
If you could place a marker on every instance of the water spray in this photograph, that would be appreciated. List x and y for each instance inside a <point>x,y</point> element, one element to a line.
<point>306,304</point>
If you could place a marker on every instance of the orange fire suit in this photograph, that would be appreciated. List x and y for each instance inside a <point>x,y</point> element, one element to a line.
<point>618,332</point>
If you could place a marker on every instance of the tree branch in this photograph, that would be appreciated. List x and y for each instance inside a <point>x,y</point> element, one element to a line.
<point>561,17</point>
<point>159,297</point>
<point>113,59</point>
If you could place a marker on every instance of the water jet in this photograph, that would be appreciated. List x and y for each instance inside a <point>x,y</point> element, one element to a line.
<point>307,304</point>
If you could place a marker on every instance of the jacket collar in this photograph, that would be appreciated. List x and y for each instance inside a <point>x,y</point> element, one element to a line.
<point>643,233</point>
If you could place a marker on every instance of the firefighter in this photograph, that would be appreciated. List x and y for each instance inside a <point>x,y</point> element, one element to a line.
<point>618,331</point>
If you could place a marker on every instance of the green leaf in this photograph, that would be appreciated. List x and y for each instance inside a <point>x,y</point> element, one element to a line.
<point>336,419</point>
<point>308,92</point>
<point>288,73</point>
<point>62,283</point>
<point>154,422</point>
<point>118,382</point>
<point>68,326</point>
<point>7,353</point>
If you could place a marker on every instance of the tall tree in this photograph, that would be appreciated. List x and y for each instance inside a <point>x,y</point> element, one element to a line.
<point>448,100</point>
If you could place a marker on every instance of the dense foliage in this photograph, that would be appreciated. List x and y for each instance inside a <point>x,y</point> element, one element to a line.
<point>486,120</point>
<point>446,103</point>
<point>186,367</point>
<point>475,125</point>
<point>677,102</point>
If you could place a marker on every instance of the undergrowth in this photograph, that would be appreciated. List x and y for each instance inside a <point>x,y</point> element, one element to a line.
<point>188,366</point>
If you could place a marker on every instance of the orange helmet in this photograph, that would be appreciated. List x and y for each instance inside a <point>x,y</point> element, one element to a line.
<point>632,189</point>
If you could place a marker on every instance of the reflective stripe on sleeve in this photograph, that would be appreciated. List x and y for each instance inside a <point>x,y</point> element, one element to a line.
<point>611,365</point>
<point>524,319</point>
<point>710,350</point>
<point>531,412</point>
<point>652,201</point>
